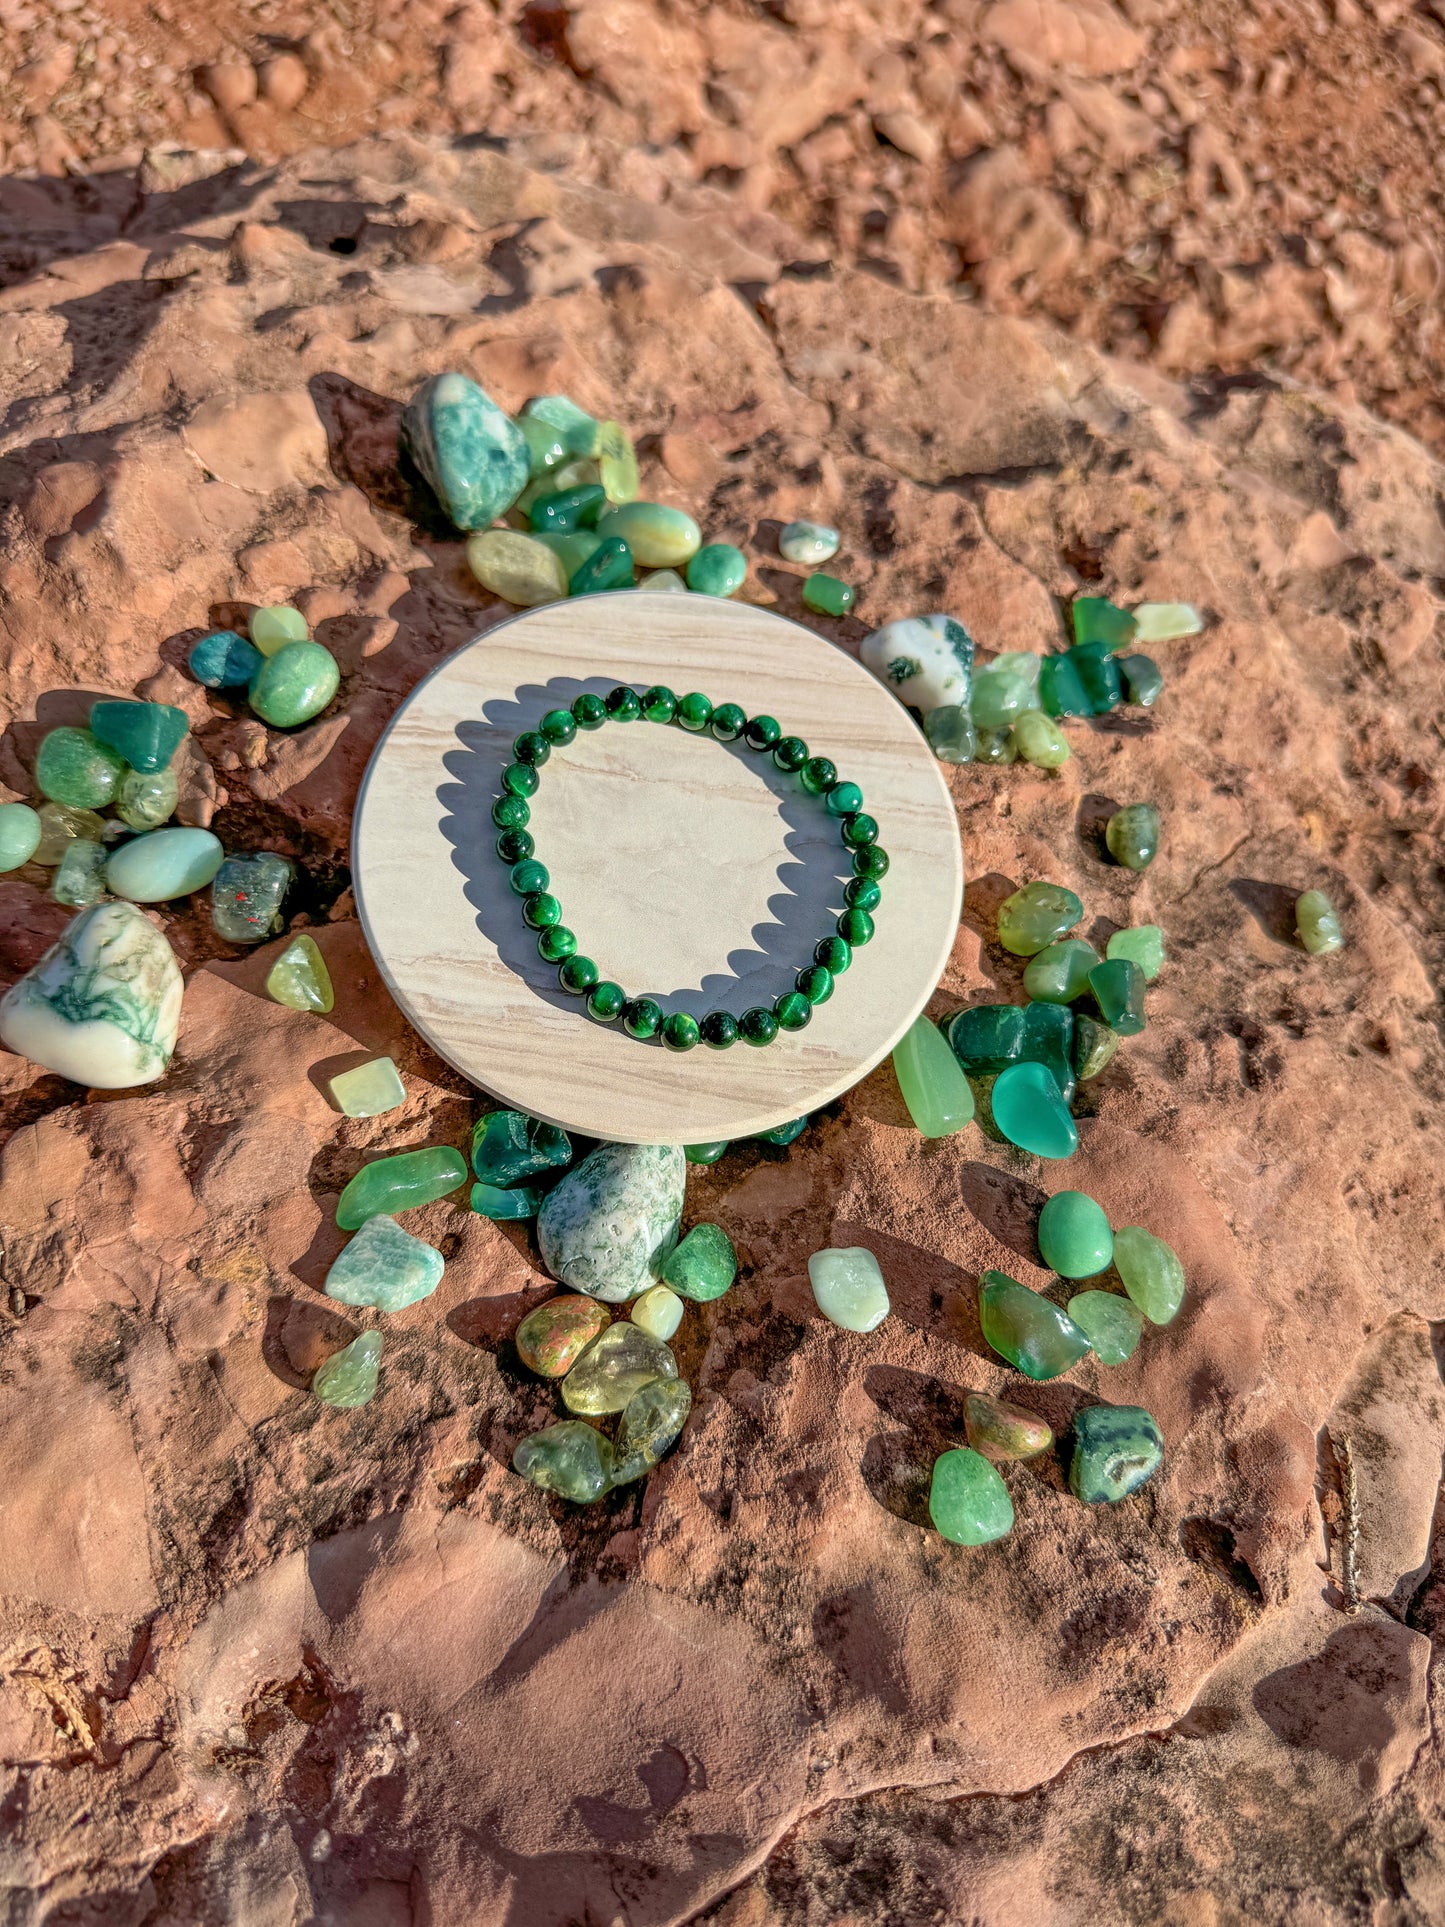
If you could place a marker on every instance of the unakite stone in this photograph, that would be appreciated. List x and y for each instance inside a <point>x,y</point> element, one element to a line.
<point>80,879</point>
<point>571,550</point>
<point>664,582</point>
<point>1026,1328</point>
<point>1116,1448</point>
<point>1049,1040</point>
<point>650,1423</point>
<point>508,1146</point>
<point>614,1368</point>
<point>1118,987</point>
<point>827,596</point>
<point>807,542</point>
<point>1040,741</point>
<point>1060,973</point>
<point>658,1311</point>
<point>518,568</point>
<point>370,1090</point>
<point>385,1266</point>
<point>1029,1109</point>
<point>986,1038</point>
<point>60,826</point>
<point>20,828</point>
<point>994,746</point>
<point>299,977</point>
<point>1002,1431</point>
<point>1004,688</point>
<point>348,1378</point>
<point>553,1336</point>
<point>144,735</point>
<point>1165,621</point>
<point>473,455</point>
<point>968,1502</point>
<point>1094,1045</point>
<point>74,768</point>
<point>400,1183</point>
<point>950,732</point>
<point>848,1288</point>
<point>659,537</point>
<point>926,660</point>
<point>1096,619</point>
<point>608,567</point>
<point>704,1264</point>
<point>1143,680</point>
<point>511,1206</point>
<point>1110,1323</point>
<point>617,463</point>
<point>608,1226</point>
<point>1074,1235</point>
<point>164,864</point>
<point>224,660</point>
<point>146,799</point>
<point>706,1153</point>
<point>1036,916</point>
<point>246,895</point>
<point>1141,943</point>
<point>273,627</point>
<point>1150,1271</point>
<point>1061,688</point>
<point>570,1458</point>
<point>934,1087</point>
<point>1317,923</point>
<point>579,431</point>
<point>1099,676</point>
<point>102,1005</point>
<point>295,684</point>
<point>1133,835</point>
<point>717,569</point>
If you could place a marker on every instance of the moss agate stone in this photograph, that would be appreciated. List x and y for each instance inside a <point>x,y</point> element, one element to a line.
<point>1060,972</point>
<point>934,1087</point>
<point>246,896</point>
<point>102,1005</point>
<point>1317,924</point>
<point>1040,741</point>
<point>1094,1046</point>
<point>659,537</point>
<point>19,835</point>
<point>1097,620</point>
<point>1143,944</point>
<point>717,569</point>
<point>400,1183</point>
<point>164,865</point>
<point>614,1369</point>
<point>927,661</point>
<point>1116,1448</point>
<point>60,826</point>
<point>808,542</point>
<point>474,457</point>
<point>1036,916</point>
<point>80,879</point>
<point>1118,987</point>
<point>295,684</point>
<point>1028,1330</point>
<point>370,1090</point>
<point>1074,1235</point>
<point>570,1458</point>
<point>509,1146</point>
<point>74,768</point>
<point>1150,1271</point>
<point>553,1336</point>
<point>609,1225</point>
<point>649,1427</point>
<point>385,1266</point>
<point>145,800</point>
<point>276,625</point>
<point>299,977</point>
<point>223,660</point>
<point>658,1311</point>
<point>848,1288</point>
<point>348,1378</point>
<point>1166,621</point>
<point>512,1206</point>
<point>703,1265</point>
<point>968,1501</point>
<point>1004,688</point>
<point>1132,835</point>
<point>519,568</point>
<point>1002,1431</point>
<point>1030,1111</point>
<point>1112,1325</point>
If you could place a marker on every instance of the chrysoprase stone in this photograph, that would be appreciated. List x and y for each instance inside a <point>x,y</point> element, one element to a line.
<point>400,1183</point>
<point>579,431</point>
<point>19,835</point>
<point>848,1287</point>
<point>658,1310</point>
<point>385,1266</point>
<point>1002,1431</point>
<point>299,977</point>
<point>1027,1329</point>
<point>74,768</point>
<point>518,568</point>
<point>554,1335</point>
<point>1150,1271</point>
<point>951,734</point>
<point>926,660</point>
<point>1094,1045</point>
<point>933,1085</point>
<point>473,455</point>
<point>572,549</point>
<point>508,1146</point>
<point>80,879</point>
<point>825,595</point>
<point>1110,1323</point>
<point>608,567</point>
<point>1118,987</point>
<point>614,1368</point>
<point>1039,740</point>
<point>1049,1040</point>
<point>1317,923</point>
<point>1030,1111</point>
<point>617,463</point>
<point>570,1458</point>
<point>1061,688</point>
<point>246,895</point>
<point>224,660</point>
<point>1099,677</point>
<point>717,569</point>
<point>994,746</point>
<point>608,1226</point>
<point>1004,688</point>
<point>102,1005</point>
<point>1036,916</point>
<point>1143,944</point>
<point>664,582</point>
<point>276,625</point>
<point>807,542</point>
<point>163,865</point>
<point>785,1134</point>
<point>517,1202</point>
<point>144,735</point>
<point>704,1264</point>
<point>1116,1448</point>
<point>650,1423</point>
<point>659,537</point>
<point>1133,835</point>
<point>986,1038</point>
<point>295,684</point>
<point>146,799</point>
<point>1143,680</point>
<point>968,1502</point>
<point>1164,621</point>
<point>348,1378</point>
<point>1098,620</point>
<point>1074,1235</point>
<point>60,826</point>
<point>706,1153</point>
<point>1060,972</point>
<point>370,1090</point>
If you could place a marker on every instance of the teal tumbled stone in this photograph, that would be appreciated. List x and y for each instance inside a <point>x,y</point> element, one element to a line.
<point>1048,1039</point>
<point>384,1266</point>
<point>1143,680</point>
<point>1133,835</point>
<point>1118,987</point>
<point>20,829</point>
<point>508,1146</point>
<point>1061,688</point>
<point>566,510</point>
<point>506,1206</point>
<point>164,864</point>
<point>1030,1111</point>
<point>1116,1448</point>
<point>295,684</point>
<point>145,735</point>
<point>986,1038</point>
<point>1059,973</point>
<point>968,1501</point>
<point>1036,916</point>
<point>246,896</point>
<point>1074,1235</point>
<point>74,768</point>
<point>1111,1324</point>
<point>224,660</point>
<point>1099,677</point>
<point>1026,1328</point>
<point>474,457</point>
<point>1097,620</point>
<point>608,567</point>
<point>717,569</point>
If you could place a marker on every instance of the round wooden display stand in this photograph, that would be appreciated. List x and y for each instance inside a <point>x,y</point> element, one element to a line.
<point>691,871</point>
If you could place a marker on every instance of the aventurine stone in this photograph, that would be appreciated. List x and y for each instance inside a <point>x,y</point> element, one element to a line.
<point>1110,1323</point>
<point>848,1288</point>
<point>807,542</point>
<point>224,660</point>
<point>1027,1329</point>
<point>80,880</point>
<point>73,768</point>
<point>295,684</point>
<point>717,569</point>
<point>1317,923</point>
<point>348,1378</point>
<point>614,1368</point>
<point>1060,972</point>
<point>144,735</point>
<point>968,1502</point>
<point>246,895</point>
<point>1074,1235</point>
<point>164,864</point>
<point>508,1146</point>
<point>825,595</point>
<point>370,1090</point>
<point>926,660</point>
<point>1004,688</point>
<point>147,799</point>
<point>1029,1109</point>
<point>299,977</point>
<point>934,1087</point>
<point>704,1265</point>
<point>658,1311</point>
<point>1039,740</point>
<point>273,627</point>
<point>1002,1431</point>
<point>1133,835</point>
<point>1116,1448</point>
<point>102,1005</point>
<point>385,1266</point>
<point>659,537</point>
<point>1151,1272</point>
<point>519,568</point>
<point>607,1228</point>
<point>400,1183</point>
<point>650,1423</point>
<point>475,457</point>
<point>19,835</point>
<point>1036,916</point>
<point>60,826</point>
<point>1143,944</point>
<point>571,1459</point>
<point>553,1336</point>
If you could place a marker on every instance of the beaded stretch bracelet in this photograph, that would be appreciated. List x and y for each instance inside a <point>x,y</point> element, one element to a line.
<point>642,1017</point>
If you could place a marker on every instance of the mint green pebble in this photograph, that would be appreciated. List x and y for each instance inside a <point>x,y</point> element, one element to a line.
<point>348,1378</point>
<point>580,432</point>
<point>19,834</point>
<point>145,735</point>
<point>385,1266</point>
<point>273,627</point>
<point>370,1090</point>
<point>80,879</point>
<point>717,569</point>
<point>827,596</point>
<point>74,768</point>
<point>295,684</point>
<point>400,1183</point>
<point>1317,924</point>
<point>1028,1107</point>
<point>1074,1235</point>
<point>1004,688</point>
<point>1059,973</point>
<point>1036,916</point>
<point>164,864</point>
<point>1039,740</point>
<point>1142,944</point>
<point>473,455</point>
<point>1111,1324</point>
<point>659,537</point>
<point>938,1095</point>
<point>968,1501</point>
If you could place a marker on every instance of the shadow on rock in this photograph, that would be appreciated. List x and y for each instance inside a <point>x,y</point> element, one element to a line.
<point>1271,906</point>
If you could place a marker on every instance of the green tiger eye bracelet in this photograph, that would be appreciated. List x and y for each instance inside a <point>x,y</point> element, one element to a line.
<point>642,1017</point>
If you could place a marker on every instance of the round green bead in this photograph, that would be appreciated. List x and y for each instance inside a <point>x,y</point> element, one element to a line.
<point>834,954</point>
<point>855,927</point>
<point>532,747</point>
<point>862,893</point>
<point>520,779</point>
<point>818,775</point>
<point>623,704</point>
<point>816,983</point>
<point>858,830</point>
<point>659,705</point>
<point>792,1010</point>
<point>1074,1235</point>
<point>871,861</point>
<point>757,1026</point>
<point>542,912</point>
<point>679,1031</point>
<point>728,722</point>
<point>529,876</point>
<point>511,813</point>
<point>589,712</point>
<point>717,569</point>
<point>694,712</point>
<point>705,1153</point>
<point>556,943</point>
<point>719,1029</point>
<point>559,726</point>
<point>790,754</point>
<point>606,1002</point>
<point>76,769</point>
<point>761,732</point>
<point>844,799</point>
<point>642,1017</point>
<point>515,846</point>
<point>577,975</point>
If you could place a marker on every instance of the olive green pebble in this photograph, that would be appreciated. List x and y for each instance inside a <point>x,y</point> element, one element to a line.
<point>1317,924</point>
<point>1133,835</point>
<point>827,596</point>
<point>1039,740</point>
<point>717,569</point>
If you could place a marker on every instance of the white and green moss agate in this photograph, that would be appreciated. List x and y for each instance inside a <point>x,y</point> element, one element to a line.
<point>474,456</point>
<point>607,1227</point>
<point>927,661</point>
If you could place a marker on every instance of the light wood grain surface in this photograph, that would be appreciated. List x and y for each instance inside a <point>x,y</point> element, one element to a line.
<point>690,870</point>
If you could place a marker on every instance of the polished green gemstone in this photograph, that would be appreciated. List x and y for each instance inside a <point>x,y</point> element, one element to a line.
<point>986,1038</point>
<point>757,1026</point>
<point>566,510</point>
<point>1116,1448</point>
<point>617,462</point>
<point>529,876</point>
<point>520,779</point>
<point>719,1029</point>
<point>559,727</point>
<point>1317,924</point>
<point>702,1265</point>
<point>472,454</point>
<point>1048,1039</point>
<point>589,711</point>
<point>164,864</point>
<point>1060,972</point>
<point>385,1267</point>
<point>348,1378</point>
<point>844,799</point>
<point>577,975</point>
<point>1061,688</point>
<point>790,754</point>
<point>1096,620</point>
<point>1111,1324</point>
<point>834,954</point>
<point>1118,987</point>
<point>818,775</point>
<point>792,1010</point>
<point>146,799</point>
<point>659,705</point>
<point>19,835</point>
<point>299,978</point>
<point>1030,1111</point>
<point>144,735</point>
<point>1151,1272</point>
<point>614,1367</point>
<point>705,1153</point>
<point>855,927</point>
<point>849,1288</point>
<point>658,1310</point>
<point>1002,1431</point>
<point>580,432</point>
<point>555,942</point>
<point>1040,741</point>
<point>508,1146</point>
<point>545,446</point>
<point>606,1002</point>
<point>680,1031</point>
<point>75,769</point>
<point>659,537</point>
<point>400,1183</point>
<point>871,860</point>
<point>694,712</point>
<point>571,1458</point>
<point>827,596</point>
<point>1143,944</point>
<point>247,893</point>
<point>950,732</point>
<point>651,1421</point>
<point>522,1201</point>
<point>807,542</point>
<point>532,747</point>
<point>728,722</point>
<point>1036,916</point>
<point>968,1501</point>
<point>642,1017</point>
<point>785,1134</point>
<point>608,567</point>
<point>862,893</point>
<point>1143,680</point>
<point>761,732</point>
<point>859,829</point>
<point>223,660</point>
<point>1074,1235</point>
<point>1166,621</point>
<point>1099,676</point>
<point>1027,1329</point>
<point>272,628</point>
<point>1133,835</point>
<point>816,983</point>
<point>513,846</point>
<point>717,569</point>
<point>1094,1045</point>
<point>368,1090</point>
<point>80,879</point>
<point>624,705</point>
<point>934,1087</point>
<point>294,685</point>
<point>511,812</point>
<point>994,746</point>
<point>1004,688</point>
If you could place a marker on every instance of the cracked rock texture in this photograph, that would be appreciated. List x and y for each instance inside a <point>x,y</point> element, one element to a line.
<point>265,1662</point>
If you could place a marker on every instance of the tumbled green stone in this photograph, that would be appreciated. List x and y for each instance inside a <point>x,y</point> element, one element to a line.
<point>569,1458</point>
<point>816,983</point>
<point>555,942</point>
<point>370,1090</point>
<point>608,1224</point>
<point>1060,973</point>
<point>1094,1045</point>
<point>986,1038</point>
<point>642,1017</point>
<point>74,768</point>
<point>694,712</point>
<point>614,1368</point>
<point>564,511</point>
<point>553,1336</point>
<point>272,628</point>
<point>1004,688</point>
<point>807,542</point>
<point>571,550</point>
<point>617,463</point>
<point>606,1002</point>
<point>1110,1323</point>
<point>1029,1109</point>
<point>546,448</point>
<point>934,1087</point>
<point>145,735</point>
<point>246,895</point>
<point>164,864</point>
<point>1133,835</point>
<point>719,1030</point>
<point>848,1288</point>
<point>968,1502</point>
<point>827,596</point>
<point>792,1010</point>
<point>295,684</point>
<point>20,828</point>
<point>473,456</point>
<point>608,567</point>
<point>1048,1039</point>
<point>80,879</point>
<point>1040,741</point>
<point>223,660</point>
<point>757,1027</point>
<point>1118,987</point>
<point>1099,677</point>
<point>1002,1431</point>
<point>785,1134</point>
<point>385,1266</point>
<point>705,1153</point>
<point>664,582</point>
<point>1097,620</point>
<point>1317,924</point>
<point>1036,916</point>
<point>659,537</point>
<point>1026,1328</point>
<point>400,1183</point>
<point>717,569</point>
<point>1143,680</point>
<point>950,732</point>
<point>728,722</point>
<point>1166,621</point>
<point>680,1031</point>
<point>1074,1235</point>
<point>1151,1272</point>
<point>994,746</point>
<point>569,474</point>
<point>60,826</point>
<point>519,568</point>
<point>348,1378</point>
<point>147,799</point>
<point>1061,688</point>
<point>650,1423</point>
<point>1116,1448</point>
<point>579,431</point>
<point>704,1263</point>
<point>658,1311</point>
<point>299,977</point>
<point>1143,944</point>
<point>508,1146</point>
<point>506,1207</point>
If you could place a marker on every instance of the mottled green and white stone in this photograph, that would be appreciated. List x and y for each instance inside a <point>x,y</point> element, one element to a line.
<point>848,1288</point>
<point>926,661</point>
<point>474,456</point>
<point>610,1223</point>
<point>386,1267</point>
<point>808,542</point>
<point>103,1003</point>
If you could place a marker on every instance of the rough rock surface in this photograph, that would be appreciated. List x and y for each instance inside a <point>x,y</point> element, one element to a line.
<point>260,1661</point>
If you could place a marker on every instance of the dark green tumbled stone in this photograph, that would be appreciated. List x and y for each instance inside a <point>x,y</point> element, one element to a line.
<point>816,983</point>
<point>508,1146</point>
<point>1099,675</point>
<point>511,812</point>
<point>871,860</point>
<point>757,1026</point>
<point>986,1038</point>
<point>606,1002</point>
<point>515,845</point>
<point>1118,987</point>
<point>564,510</point>
<point>862,893</point>
<point>577,975</point>
<point>529,876</point>
<point>608,567</point>
<point>792,1010</point>
<point>659,705</point>
<point>784,1134</point>
<point>145,735</point>
<point>559,726</point>
<point>642,1017</point>
<point>1143,680</point>
<point>844,799</point>
<point>1116,1448</point>
<point>859,830</point>
<point>520,779</point>
<point>705,1153</point>
<point>1133,835</point>
<point>855,927</point>
<point>589,711</point>
<point>1094,1045</point>
<point>503,1207</point>
<point>761,732</point>
<point>1048,1039</point>
<point>541,910</point>
<point>623,704</point>
<point>555,944</point>
<point>818,774</point>
<point>694,712</point>
<point>790,754</point>
<point>1097,620</point>
<point>532,747</point>
<point>719,1029</point>
<point>1061,688</point>
<point>680,1031</point>
<point>728,722</point>
<point>1027,1329</point>
<point>834,954</point>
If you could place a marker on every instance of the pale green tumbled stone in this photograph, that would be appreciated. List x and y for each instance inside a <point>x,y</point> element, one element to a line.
<point>1059,972</point>
<point>664,582</point>
<point>570,1458</point>
<point>581,433</point>
<point>295,684</point>
<point>370,1090</point>
<point>474,456</point>
<point>658,1311</point>
<point>144,735</point>
<point>1143,944</point>
<point>164,864</point>
<point>348,1379</point>
<point>1111,1324</point>
<point>968,1501</point>
<point>1074,1235</point>
<point>272,628</point>
<point>938,1095</point>
<point>1151,1272</point>
<point>1036,916</point>
<point>614,1368</point>
<point>299,977</point>
<point>80,880</point>
<point>75,768</point>
<point>400,1182</point>
<point>951,734</point>
<point>517,567</point>
<point>60,826</point>
<point>617,463</point>
<point>20,828</point>
<point>102,1005</point>
<point>1039,740</point>
<point>147,798</point>
<point>718,569</point>
<point>650,1423</point>
<point>659,537</point>
<point>1004,688</point>
<point>1164,621</point>
<point>811,542</point>
<point>385,1266</point>
<point>1318,924</point>
<point>848,1288</point>
<point>609,1225</point>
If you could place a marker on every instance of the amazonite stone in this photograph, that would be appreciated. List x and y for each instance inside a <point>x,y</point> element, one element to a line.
<point>614,1369</point>
<point>295,684</point>
<point>19,834</point>
<point>74,768</point>
<point>299,977</point>
<point>658,1311</point>
<point>1036,916</point>
<point>580,433</point>
<point>1151,1272</point>
<point>1039,740</point>
<point>1317,924</point>
<point>475,457</point>
<point>1164,621</point>
<point>508,1146</point>
<point>1116,1448</point>
<point>348,1378</point>
<point>718,569</point>
<point>848,1288</point>
<point>968,1501</point>
<point>147,798</point>
<point>664,582</point>
<point>164,865</point>
<point>60,826</point>
<point>224,660</point>
<point>1059,973</point>
<point>1004,688</point>
<point>1003,1431</point>
<point>934,1087</point>
<point>553,1336</point>
<point>518,568</point>
<point>1111,1324</point>
<point>927,661</point>
<point>144,735</point>
<point>704,1265</point>
<point>1074,1235</point>
<point>370,1090</point>
<point>385,1266</point>
<point>102,1005</point>
<point>570,1458</point>
<point>400,1183</point>
<point>810,542</point>
<point>80,880</point>
<point>1029,1109</point>
<point>1027,1329</point>
<point>246,895</point>
<point>1142,944</point>
<point>608,1226</point>
<point>659,537</point>
<point>272,628</point>
<point>650,1424</point>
